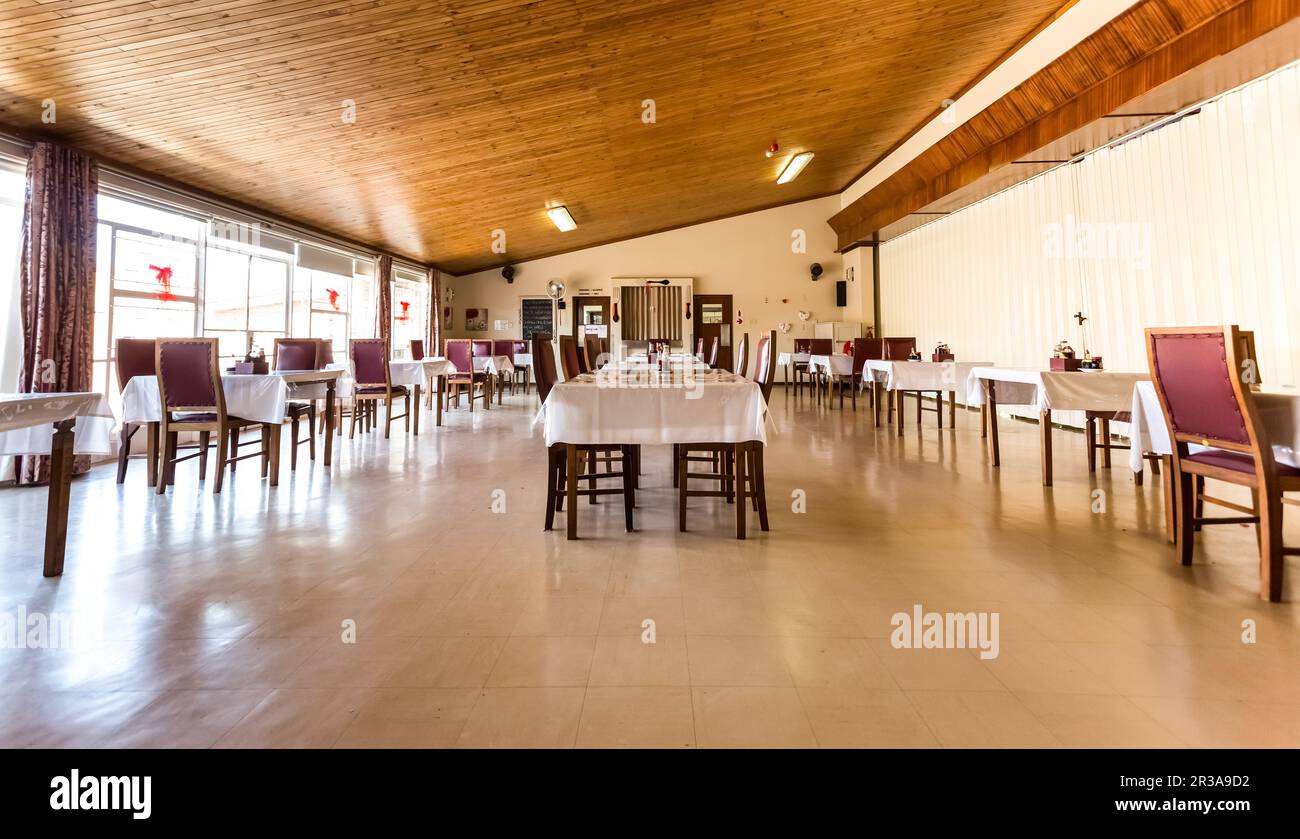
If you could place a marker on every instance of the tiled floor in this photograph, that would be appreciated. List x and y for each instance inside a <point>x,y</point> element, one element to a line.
<point>202,621</point>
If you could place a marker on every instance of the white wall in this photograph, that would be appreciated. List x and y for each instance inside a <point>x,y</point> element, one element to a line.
<point>749,256</point>
<point>1194,223</point>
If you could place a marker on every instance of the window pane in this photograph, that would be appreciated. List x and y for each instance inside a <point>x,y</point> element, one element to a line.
<point>333,327</point>
<point>148,218</point>
<point>231,345</point>
<point>225,292</point>
<point>135,255</point>
<point>136,318</point>
<point>329,291</point>
<point>363,307</point>
<point>268,288</point>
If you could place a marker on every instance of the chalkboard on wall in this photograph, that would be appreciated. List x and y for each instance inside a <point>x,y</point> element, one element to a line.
<point>537,315</point>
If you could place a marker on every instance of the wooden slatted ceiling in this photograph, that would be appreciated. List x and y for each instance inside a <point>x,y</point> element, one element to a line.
<point>1151,43</point>
<point>474,115</point>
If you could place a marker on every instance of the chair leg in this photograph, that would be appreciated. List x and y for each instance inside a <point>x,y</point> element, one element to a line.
<point>223,443</point>
<point>172,440</point>
<point>1198,501</point>
<point>388,416</point>
<point>352,426</point>
<point>1184,489</point>
<point>311,432</point>
<point>1105,443</point>
<point>163,437</point>
<point>552,476</point>
<point>205,438</point>
<point>1090,440</point>
<point>234,447</point>
<point>266,451</point>
<point>675,479</point>
<point>592,467</point>
<point>629,498</point>
<point>293,444</point>
<point>124,452</point>
<point>1270,545</point>
<point>682,486</point>
<point>561,479</point>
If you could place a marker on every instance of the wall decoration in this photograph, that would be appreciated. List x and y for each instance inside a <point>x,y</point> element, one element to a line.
<point>446,317</point>
<point>784,327</point>
<point>804,315</point>
<point>476,320</point>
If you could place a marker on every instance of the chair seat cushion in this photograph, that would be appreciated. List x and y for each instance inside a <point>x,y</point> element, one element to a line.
<point>194,417</point>
<point>1237,462</point>
<point>298,408</point>
<point>465,377</point>
<point>398,390</point>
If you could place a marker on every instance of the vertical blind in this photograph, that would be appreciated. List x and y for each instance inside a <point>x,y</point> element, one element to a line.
<point>1193,223</point>
<point>651,313</point>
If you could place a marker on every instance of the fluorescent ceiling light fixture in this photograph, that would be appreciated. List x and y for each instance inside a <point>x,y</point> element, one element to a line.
<point>560,216</point>
<point>794,167</point>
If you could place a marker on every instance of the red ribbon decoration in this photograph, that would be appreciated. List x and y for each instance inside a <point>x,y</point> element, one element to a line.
<point>164,278</point>
<point>406,310</point>
<point>334,298</point>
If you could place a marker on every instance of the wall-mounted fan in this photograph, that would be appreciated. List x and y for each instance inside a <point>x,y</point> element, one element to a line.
<point>555,289</point>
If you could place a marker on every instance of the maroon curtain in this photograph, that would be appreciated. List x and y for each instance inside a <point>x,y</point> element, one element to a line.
<point>57,281</point>
<point>435,313</point>
<point>384,276</point>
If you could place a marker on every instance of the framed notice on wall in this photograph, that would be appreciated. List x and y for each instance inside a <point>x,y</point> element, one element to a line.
<point>536,315</point>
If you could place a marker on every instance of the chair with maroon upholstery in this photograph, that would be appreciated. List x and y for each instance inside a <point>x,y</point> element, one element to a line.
<point>721,456</point>
<point>299,354</point>
<point>1197,374</point>
<point>417,349</point>
<point>818,378</point>
<point>557,468</point>
<point>193,400</point>
<point>801,345</point>
<point>713,353</point>
<point>460,352</point>
<point>135,357</point>
<point>863,349</point>
<point>373,382</point>
<point>740,363</point>
<point>523,372</point>
<point>898,349</point>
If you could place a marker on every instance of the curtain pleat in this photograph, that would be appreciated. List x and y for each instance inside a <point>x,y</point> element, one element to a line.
<point>433,340</point>
<point>57,282</point>
<point>384,277</point>
<point>651,313</point>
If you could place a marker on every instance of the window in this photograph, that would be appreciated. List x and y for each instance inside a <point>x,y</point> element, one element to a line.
<point>245,298</point>
<point>13,185</point>
<point>410,296</point>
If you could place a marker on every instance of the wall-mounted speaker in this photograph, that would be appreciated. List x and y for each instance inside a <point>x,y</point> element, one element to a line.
<point>841,294</point>
<point>816,271</point>
<point>509,273</point>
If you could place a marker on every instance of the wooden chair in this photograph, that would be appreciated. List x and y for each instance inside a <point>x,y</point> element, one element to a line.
<point>558,465</point>
<point>299,354</point>
<point>741,362</point>
<point>863,349</point>
<point>373,382</point>
<point>507,348</point>
<point>417,349</point>
<point>193,400</point>
<point>816,378</point>
<point>597,352</point>
<point>134,357</point>
<point>801,345</point>
<point>723,454</point>
<point>898,349</point>
<point>1197,373</point>
<point>523,372</point>
<point>460,352</point>
<point>713,354</point>
<point>569,356</point>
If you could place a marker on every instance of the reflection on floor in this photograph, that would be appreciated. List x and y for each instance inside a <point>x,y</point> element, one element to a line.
<point>201,621</point>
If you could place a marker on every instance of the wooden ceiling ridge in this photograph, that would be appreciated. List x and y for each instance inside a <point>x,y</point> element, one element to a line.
<point>1151,43</point>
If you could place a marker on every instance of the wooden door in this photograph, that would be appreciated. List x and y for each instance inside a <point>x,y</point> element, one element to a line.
<point>589,311</point>
<point>712,317</point>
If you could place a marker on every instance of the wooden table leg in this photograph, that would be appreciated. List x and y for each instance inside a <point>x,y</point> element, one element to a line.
<point>415,403</point>
<point>938,405</point>
<point>899,409</point>
<point>571,491</point>
<point>1045,435</point>
<point>991,405</point>
<point>438,396</point>
<point>56,517</point>
<point>331,405</point>
<point>151,452</point>
<point>877,393</point>
<point>274,458</point>
<point>741,456</point>
<point>952,408</point>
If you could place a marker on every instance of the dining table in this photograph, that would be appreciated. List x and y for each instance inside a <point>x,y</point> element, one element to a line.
<point>523,362</point>
<point>430,372</point>
<point>893,379</point>
<point>788,360</point>
<point>61,425</point>
<point>259,397</point>
<point>1047,391</point>
<point>632,404</point>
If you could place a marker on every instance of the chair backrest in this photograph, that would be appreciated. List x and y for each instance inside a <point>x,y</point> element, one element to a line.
<point>821,346</point>
<point>544,367</point>
<point>803,344</point>
<point>135,357</point>
<point>482,348</point>
<point>417,349</point>
<point>741,361</point>
<point>520,347</point>
<point>595,349</point>
<point>1198,379</point>
<point>189,376</point>
<point>864,349</point>
<point>297,354</point>
<point>326,352</point>
<point>699,346</point>
<point>369,361</point>
<point>1246,357</point>
<point>461,355</point>
<point>569,356</point>
<point>765,364</point>
<point>898,349</point>
<point>506,348</point>
<point>713,353</point>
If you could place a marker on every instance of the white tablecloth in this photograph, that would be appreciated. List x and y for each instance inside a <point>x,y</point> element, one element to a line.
<point>1053,390</point>
<point>646,409</point>
<point>497,365</point>
<point>27,422</point>
<point>523,359</point>
<point>1279,410</point>
<point>412,373</point>
<point>839,364</point>
<point>260,398</point>
<point>782,359</point>
<point>923,375</point>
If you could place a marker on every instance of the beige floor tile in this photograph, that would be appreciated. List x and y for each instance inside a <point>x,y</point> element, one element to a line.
<point>627,616</point>
<point>626,660</point>
<point>524,718</point>
<point>981,719</point>
<point>187,719</point>
<point>544,662</point>
<point>853,717</point>
<point>740,660</point>
<point>1217,723</point>
<point>751,717</point>
<point>409,718</point>
<point>559,616</point>
<point>937,669</point>
<point>1085,721</point>
<point>476,617</point>
<point>835,662</point>
<point>366,663</point>
<point>446,663</point>
<point>637,717</point>
<point>296,719</point>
